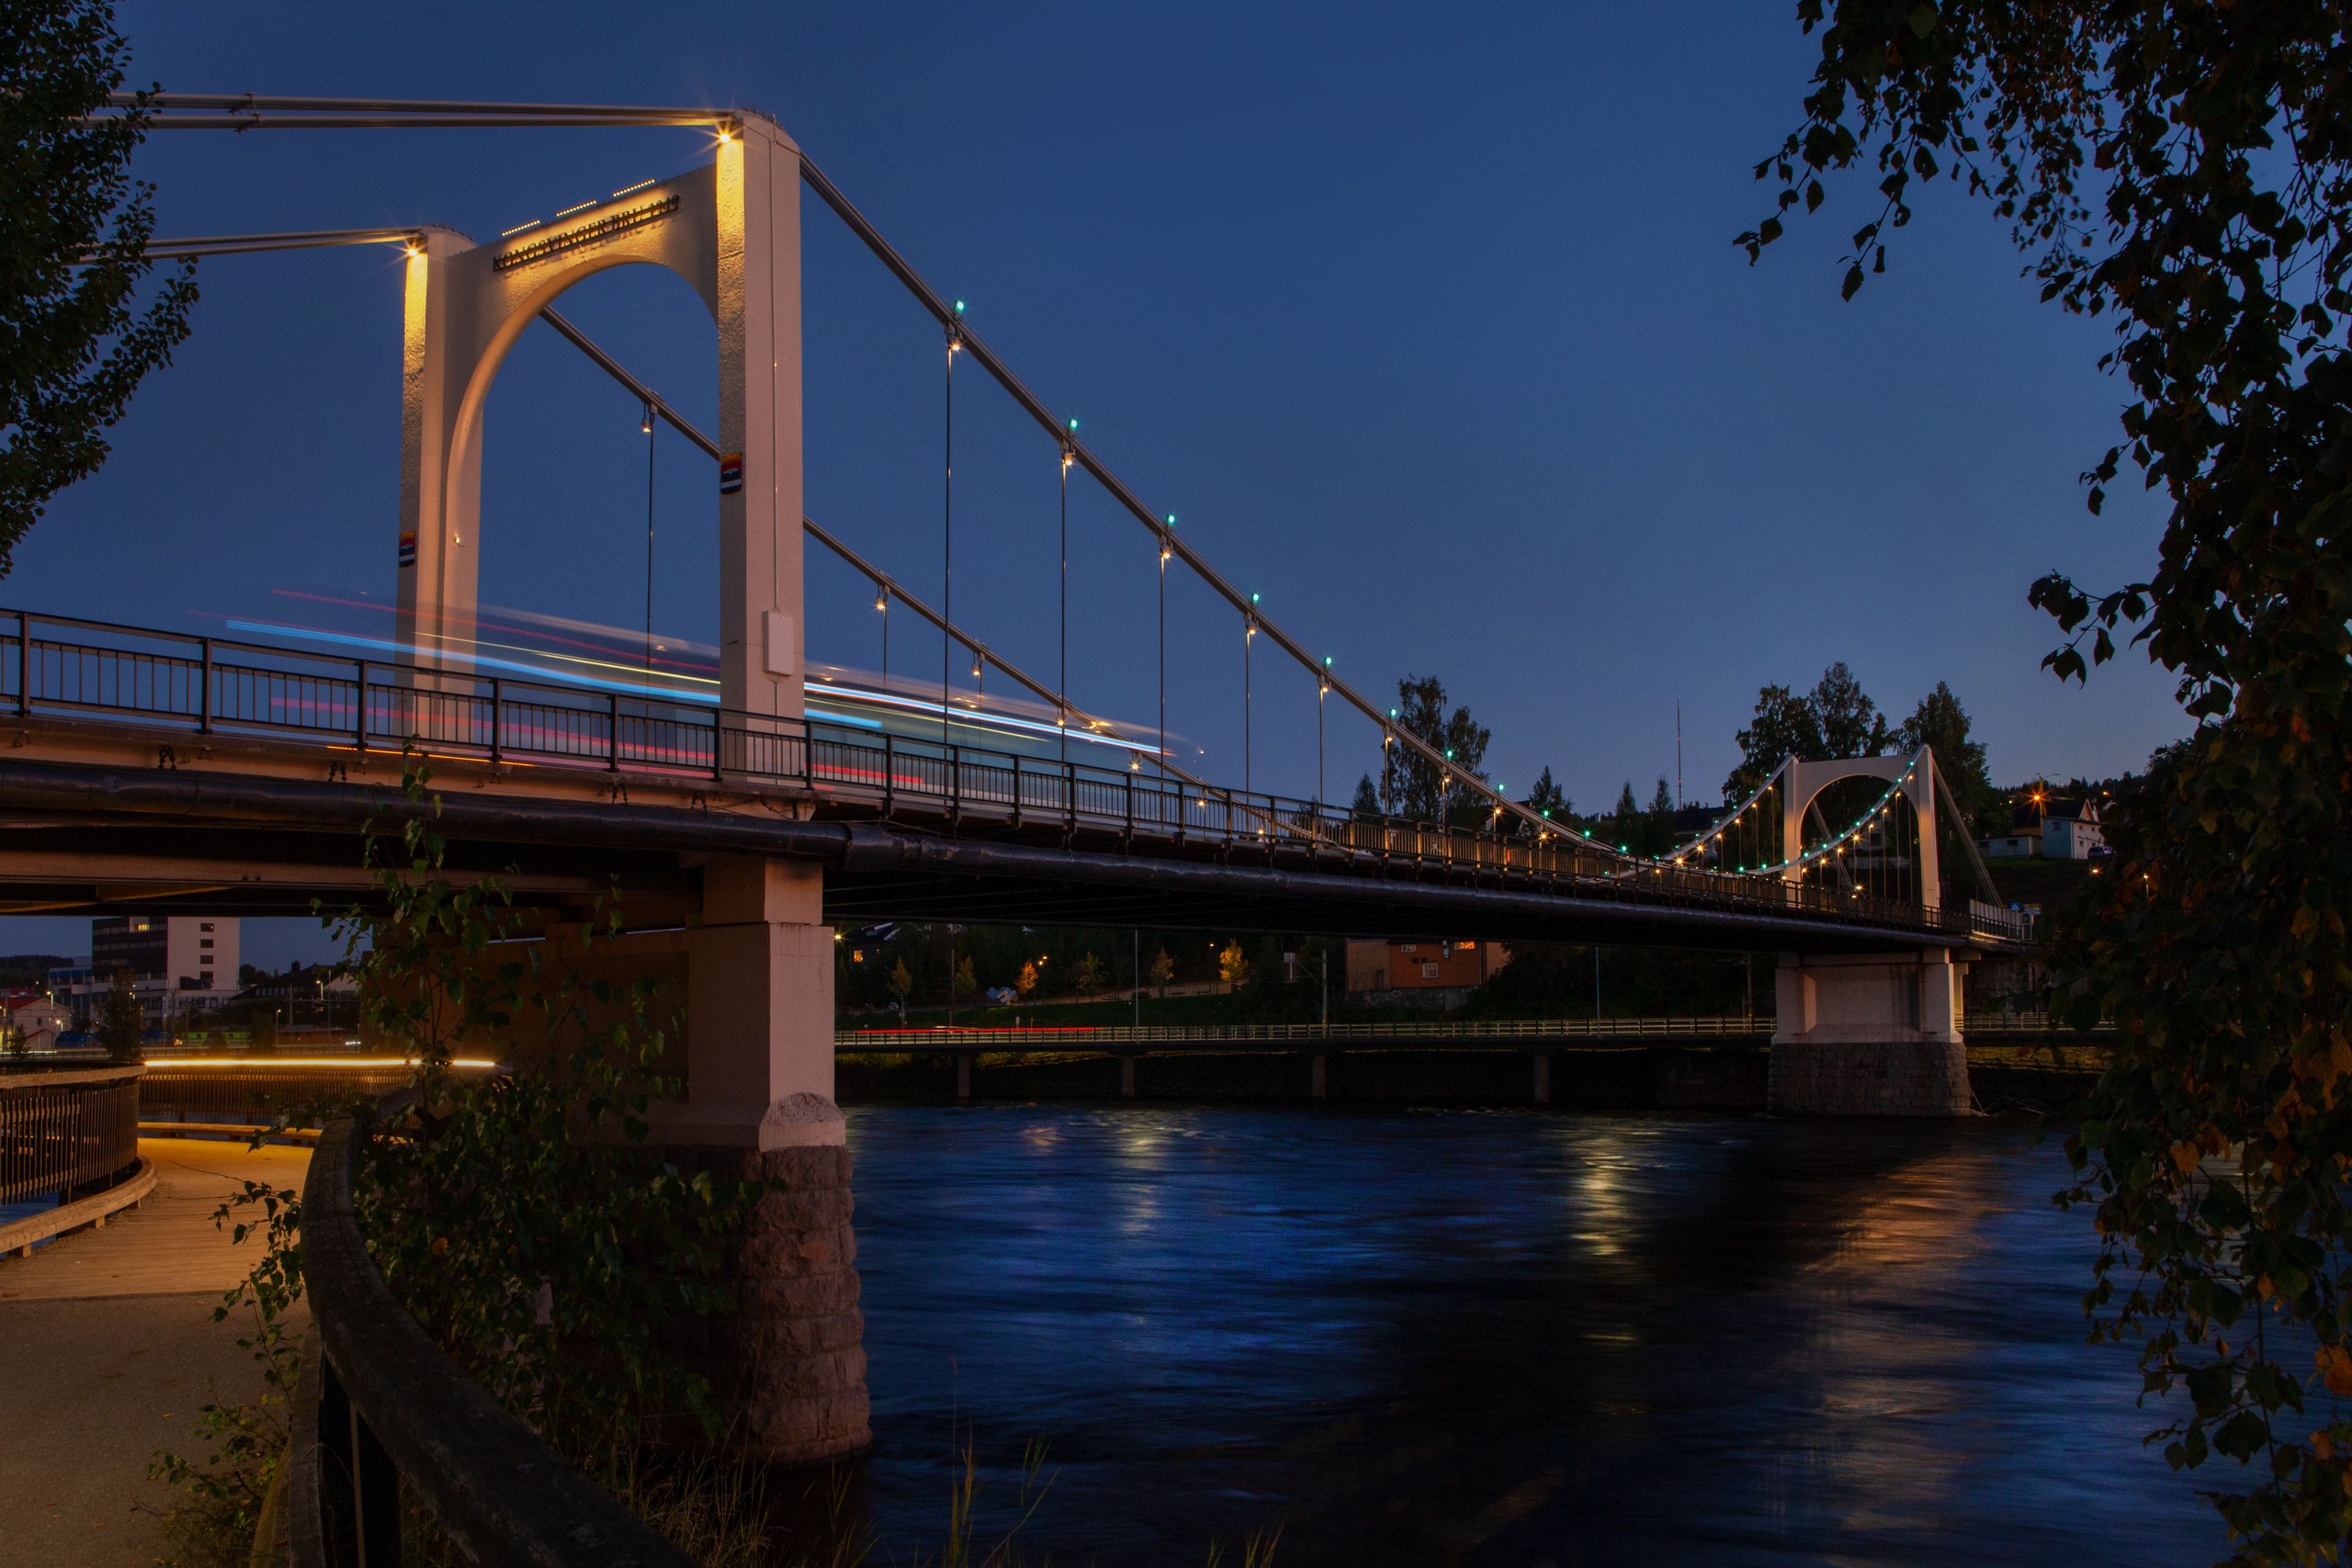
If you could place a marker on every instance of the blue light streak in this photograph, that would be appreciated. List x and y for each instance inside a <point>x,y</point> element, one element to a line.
<point>406,654</point>
<point>966,718</point>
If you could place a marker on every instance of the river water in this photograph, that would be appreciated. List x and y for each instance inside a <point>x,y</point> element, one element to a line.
<point>1493,1338</point>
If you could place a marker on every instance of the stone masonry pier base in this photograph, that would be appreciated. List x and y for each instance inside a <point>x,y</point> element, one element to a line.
<point>1869,1035</point>
<point>785,1365</point>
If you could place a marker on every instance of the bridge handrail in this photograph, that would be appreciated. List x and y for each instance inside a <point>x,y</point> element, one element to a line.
<point>254,1091</point>
<point>2029,1022</point>
<point>359,702</point>
<point>2017,925</point>
<point>1049,1037</point>
<point>63,1130</point>
<point>1113,1037</point>
<point>380,1404</point>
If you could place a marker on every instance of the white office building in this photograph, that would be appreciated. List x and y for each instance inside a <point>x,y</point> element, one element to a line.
<point>180,965</point>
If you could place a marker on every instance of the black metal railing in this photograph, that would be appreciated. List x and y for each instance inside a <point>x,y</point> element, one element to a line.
<point>379,1405</point>
<point>1475,1032</point>
<point>1992,1021</point>
<point>65,667</point>
<point>253,1093</point>
<point>61,1131</point>
<point>1469,1034</point>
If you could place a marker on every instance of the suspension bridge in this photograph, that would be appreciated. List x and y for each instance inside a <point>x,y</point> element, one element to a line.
<point>745,808</point>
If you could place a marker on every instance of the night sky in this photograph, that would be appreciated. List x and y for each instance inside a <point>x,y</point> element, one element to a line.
<point>1425,322</point>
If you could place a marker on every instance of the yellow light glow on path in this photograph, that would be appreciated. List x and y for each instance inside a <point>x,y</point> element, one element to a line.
<point>477,1063</point>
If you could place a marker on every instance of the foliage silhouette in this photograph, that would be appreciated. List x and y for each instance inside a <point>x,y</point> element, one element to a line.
<point>2185,170</point>
<point>73,228</point>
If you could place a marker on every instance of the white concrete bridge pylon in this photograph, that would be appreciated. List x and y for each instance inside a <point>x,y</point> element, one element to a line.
<point>1803,782</point>
<point>731,229</point>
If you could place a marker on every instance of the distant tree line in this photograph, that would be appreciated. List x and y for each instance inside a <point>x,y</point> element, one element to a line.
<point>1836,720</point>
<point>937,965</point>
<point>1249,979</point>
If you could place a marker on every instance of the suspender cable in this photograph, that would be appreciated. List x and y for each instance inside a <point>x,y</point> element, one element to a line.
<point>649,439</point>
<point>983,654</point>
<point>1249,636</point>
<point>1119,491</point>
<point>1061,709</point>
<point>947,547</point>
<point>1163,654</point>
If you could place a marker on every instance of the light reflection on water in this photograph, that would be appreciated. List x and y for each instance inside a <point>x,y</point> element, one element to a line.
<point>1490,1337</point>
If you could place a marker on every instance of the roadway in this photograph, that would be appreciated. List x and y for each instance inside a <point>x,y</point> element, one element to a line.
<point>111,1349</point>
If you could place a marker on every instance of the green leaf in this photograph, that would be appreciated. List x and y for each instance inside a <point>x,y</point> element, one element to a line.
<point>2225,1210</point>
<point>2243,1436</point>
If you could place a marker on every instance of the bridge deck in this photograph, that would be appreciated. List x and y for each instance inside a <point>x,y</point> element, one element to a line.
<point>194,772</point>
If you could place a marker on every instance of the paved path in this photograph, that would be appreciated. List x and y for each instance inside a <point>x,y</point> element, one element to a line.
<point>109,1347</point>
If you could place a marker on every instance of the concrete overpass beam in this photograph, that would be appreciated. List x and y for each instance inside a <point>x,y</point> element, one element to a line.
<point>1869,1035</point>
<point>760,1104</point>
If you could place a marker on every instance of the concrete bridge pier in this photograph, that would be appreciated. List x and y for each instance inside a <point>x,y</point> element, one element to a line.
<point>1870,1035</point>
<point>788,1364</point>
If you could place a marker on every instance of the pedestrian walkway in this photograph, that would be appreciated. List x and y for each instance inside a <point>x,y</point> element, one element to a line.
<point>109,1350</point>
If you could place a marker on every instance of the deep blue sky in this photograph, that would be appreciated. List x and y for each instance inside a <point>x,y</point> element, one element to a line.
<point>1425,321</point>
